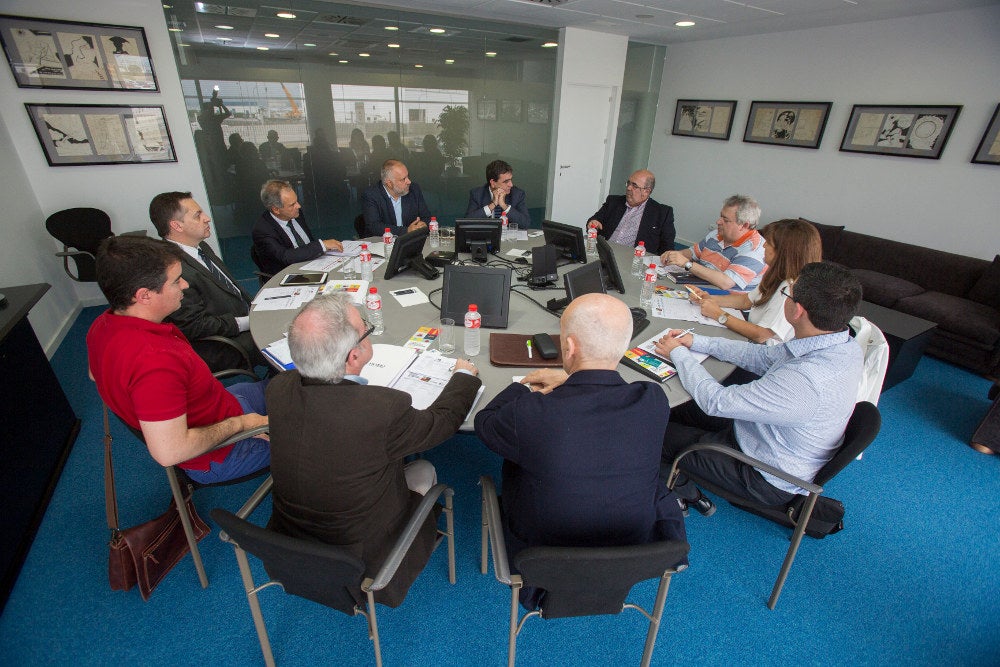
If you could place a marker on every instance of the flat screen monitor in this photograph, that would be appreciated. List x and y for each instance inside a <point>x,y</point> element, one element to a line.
<point>568,238</point>
<point>613,277</point>
<point>477,236</point>
<point>487,287</point>
<point>407,253</point>
<point>584,280</point>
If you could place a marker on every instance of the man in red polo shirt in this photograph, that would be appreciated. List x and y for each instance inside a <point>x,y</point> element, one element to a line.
<point>150,376</point>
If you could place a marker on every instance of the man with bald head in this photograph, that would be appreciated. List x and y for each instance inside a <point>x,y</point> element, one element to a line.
<point>635,216</point>
<point>581,446</point>
<point>396,202</point>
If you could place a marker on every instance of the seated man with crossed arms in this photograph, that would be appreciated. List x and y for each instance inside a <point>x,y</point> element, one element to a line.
<point>499,196</point>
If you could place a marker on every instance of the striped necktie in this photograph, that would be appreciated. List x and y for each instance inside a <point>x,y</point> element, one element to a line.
<point>218,274</point>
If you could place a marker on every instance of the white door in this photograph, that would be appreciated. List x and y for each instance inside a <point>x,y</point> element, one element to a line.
<point>583,152</point>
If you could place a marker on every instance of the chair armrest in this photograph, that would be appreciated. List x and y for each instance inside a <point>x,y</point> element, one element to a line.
<point>498,546</point>
<point>242,435</point>
<point>749,460</point>
<point>405,540</point>
<point>74,253</point>
<point>233,372</point>
<point>222,340</point>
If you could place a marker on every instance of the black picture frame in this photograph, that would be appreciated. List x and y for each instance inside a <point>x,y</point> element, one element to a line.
<point>902,130</point>
<point>45,53</point>
<point>988,151</point>
<point>796,124</point>
<point>707,119</point>
<point>88,134</point>
<point>511,111</point>
<point>486,109</point>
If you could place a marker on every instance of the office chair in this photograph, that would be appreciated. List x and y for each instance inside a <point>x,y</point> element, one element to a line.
<point>578,581</point>
<point>323,573</point>
<point>80,230</point>
<point>262,275</point>
<point>359,226</point>
<point>236,352</point>
<point>862,428</point>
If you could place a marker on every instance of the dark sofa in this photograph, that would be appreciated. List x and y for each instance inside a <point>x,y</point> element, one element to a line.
<point>960,294</point>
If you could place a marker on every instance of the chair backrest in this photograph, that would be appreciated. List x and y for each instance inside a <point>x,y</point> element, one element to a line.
<point>320,572</point>
<point>359,226</point>
<point>587,581</point>
<point>862,428</point>
<point>876,350</point>
<point>80,228</point>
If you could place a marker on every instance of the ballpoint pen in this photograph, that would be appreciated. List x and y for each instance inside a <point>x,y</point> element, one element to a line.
<point>684,333</point>
<point>528,343</point>
<point>693,293</point>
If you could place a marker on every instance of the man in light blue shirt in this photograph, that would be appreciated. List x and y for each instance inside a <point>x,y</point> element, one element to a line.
<point>794,416</point>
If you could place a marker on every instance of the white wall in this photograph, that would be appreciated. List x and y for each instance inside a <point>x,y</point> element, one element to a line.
<point>35,190</point>
<point>947,58</point>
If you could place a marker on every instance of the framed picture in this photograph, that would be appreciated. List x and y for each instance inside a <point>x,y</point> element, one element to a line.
<point>510,110</point>
<point>907,131</point>
<point>989,147</point>
<point>539,112</point>
<point>710,119</point>
<point>60,54</point>
<point>83,134</point>
<point>799,124</point>
<point>486,110</point>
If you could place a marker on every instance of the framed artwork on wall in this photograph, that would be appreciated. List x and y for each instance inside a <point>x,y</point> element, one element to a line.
<point>989,146</point>
<point>709,119</point>
<point>539,112</point>
<point>486,110</point>
<point>799,124</point>
<point>903,130</point>
<point>86,134</point>
<point>60,54</point>
<point>511,110</point>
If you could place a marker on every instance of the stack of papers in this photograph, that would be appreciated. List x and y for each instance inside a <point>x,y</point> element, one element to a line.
<point>422,375</point>
<point>673,308</point>
<point>284,298</point>
<point>644,359</point>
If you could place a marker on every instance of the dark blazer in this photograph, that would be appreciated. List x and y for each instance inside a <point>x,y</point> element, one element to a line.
<point>210,309</point>
<point>377,209</point>
<point>656,228</point>
<point>274,248</point>
<point>581,464</point>
<point>481,196</point>
<point>337,462</point>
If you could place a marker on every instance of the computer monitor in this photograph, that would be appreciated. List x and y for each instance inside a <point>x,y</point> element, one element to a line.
<point>487,287</point>
<point>407,253</point>
<point>477,236</point>
<point>568,238</point>
<point>612,276</point>
<point>584,280</point>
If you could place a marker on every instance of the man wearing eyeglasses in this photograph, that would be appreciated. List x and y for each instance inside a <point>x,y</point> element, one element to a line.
<point>635,216</point>
<point>338,443</point>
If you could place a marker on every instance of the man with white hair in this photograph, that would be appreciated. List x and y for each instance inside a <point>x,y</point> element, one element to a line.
<point>339,443</point>
<point>581,446</point>
<point>732,257</point>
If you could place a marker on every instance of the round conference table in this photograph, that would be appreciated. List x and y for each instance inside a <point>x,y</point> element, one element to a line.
<point>268,326</point>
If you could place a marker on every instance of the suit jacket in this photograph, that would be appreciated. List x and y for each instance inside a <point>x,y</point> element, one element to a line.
<point>337,462</point>
<point>481,196</point>
<point>581,464</point>
<point>377,209</point>
<point>210,309</point>
<point>275,250</point>
<point>656,228</point>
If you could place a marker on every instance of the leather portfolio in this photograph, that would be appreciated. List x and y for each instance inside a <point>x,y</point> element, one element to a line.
<point>508,349</point>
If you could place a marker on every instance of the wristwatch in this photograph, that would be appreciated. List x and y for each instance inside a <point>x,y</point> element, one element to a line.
<point>687,266</point>
<point>723,318</point>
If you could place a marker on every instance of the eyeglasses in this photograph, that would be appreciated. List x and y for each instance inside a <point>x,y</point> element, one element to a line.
<point>634,186</point>
<point>368,332</point>
<point>784,292</point>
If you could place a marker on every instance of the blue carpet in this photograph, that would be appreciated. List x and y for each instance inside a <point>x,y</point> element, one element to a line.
<point>911,580</point>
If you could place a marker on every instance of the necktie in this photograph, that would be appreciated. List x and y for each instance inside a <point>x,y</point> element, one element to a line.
<point>299,241</point>
<point>218,274</point>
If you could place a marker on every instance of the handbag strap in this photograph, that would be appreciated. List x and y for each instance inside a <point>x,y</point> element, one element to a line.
<point>110,501</point>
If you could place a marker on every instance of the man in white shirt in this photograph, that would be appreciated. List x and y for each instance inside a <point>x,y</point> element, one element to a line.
<point>281,235</point>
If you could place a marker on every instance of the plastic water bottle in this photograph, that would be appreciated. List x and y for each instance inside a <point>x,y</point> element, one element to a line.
<point>592,242</point>
<point>433,236</point>
<point>387,239</point>
<point>638,260</point>
<point>504,233</point>
<point>373,303</point>
<point>648,285</point>
<point>473,321</point>
<point>365,258</point>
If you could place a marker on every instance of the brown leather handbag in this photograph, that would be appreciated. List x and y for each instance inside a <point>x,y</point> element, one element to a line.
<point>144,554</point>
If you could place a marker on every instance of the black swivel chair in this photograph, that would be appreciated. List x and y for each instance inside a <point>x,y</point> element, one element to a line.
<point>80,230</point>
<point>862,428</point>
<point>359,226</point>
<point>261,274</point>
<point>578,581</point>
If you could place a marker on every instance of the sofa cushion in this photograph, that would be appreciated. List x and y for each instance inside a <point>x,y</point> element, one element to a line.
<point>987,290</point>
<point>828,234</point>
<point>960,316</point>
<point>883,289</point>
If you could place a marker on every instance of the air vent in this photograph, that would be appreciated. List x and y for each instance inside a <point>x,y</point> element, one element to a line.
<point>517,40</point>
<point>247,12</point>
<point>334,18</point>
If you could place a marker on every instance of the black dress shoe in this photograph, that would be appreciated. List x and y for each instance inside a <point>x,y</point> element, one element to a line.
<point>702,505</point>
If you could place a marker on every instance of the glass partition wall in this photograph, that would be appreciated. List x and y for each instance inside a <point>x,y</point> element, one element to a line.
<point>320,94</point>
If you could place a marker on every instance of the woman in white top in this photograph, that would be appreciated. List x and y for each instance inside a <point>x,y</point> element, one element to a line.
<point>789,245</point>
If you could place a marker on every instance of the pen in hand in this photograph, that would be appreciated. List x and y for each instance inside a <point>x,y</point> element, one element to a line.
<point>683,333</point>
<point>528,343</point>
<point>693,293</point>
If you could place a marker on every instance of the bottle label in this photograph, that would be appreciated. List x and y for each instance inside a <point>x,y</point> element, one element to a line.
<point>640,251</point>
<point>650,276</point>
<point>374,304</point>
<point>433,226</point>
<point>365,256</point>
<point>473,322</point>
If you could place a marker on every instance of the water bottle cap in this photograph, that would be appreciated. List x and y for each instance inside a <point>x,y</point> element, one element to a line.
<point>373,290</point>
<point>433,219</point>
<point>387,230</point>
<point>653,266</point>
<point>364,246</point>
<point>642,243</point>
<point>473,307</point>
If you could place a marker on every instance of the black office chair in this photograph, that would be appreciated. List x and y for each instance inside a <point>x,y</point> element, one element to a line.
<point>359,226</point>
<point>578,581</point>
<point>233,352</point>
<point>262,275</point>
<point>862,428</point>
<point>324,573</point>
<point>80,230</point>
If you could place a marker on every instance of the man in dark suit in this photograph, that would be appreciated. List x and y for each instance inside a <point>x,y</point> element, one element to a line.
<point>581,446</point>
<point>498,196</point>
<point>636,217</point>
<point>396,202</point>
<point>338,444</point>
<point>214,304</point>
<point>281,235</point>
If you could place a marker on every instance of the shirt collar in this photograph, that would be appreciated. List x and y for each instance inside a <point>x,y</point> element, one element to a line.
<point>389,194</point>
<point>801,346</point>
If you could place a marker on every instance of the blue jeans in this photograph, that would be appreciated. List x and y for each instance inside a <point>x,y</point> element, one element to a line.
<point>248,455</point>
